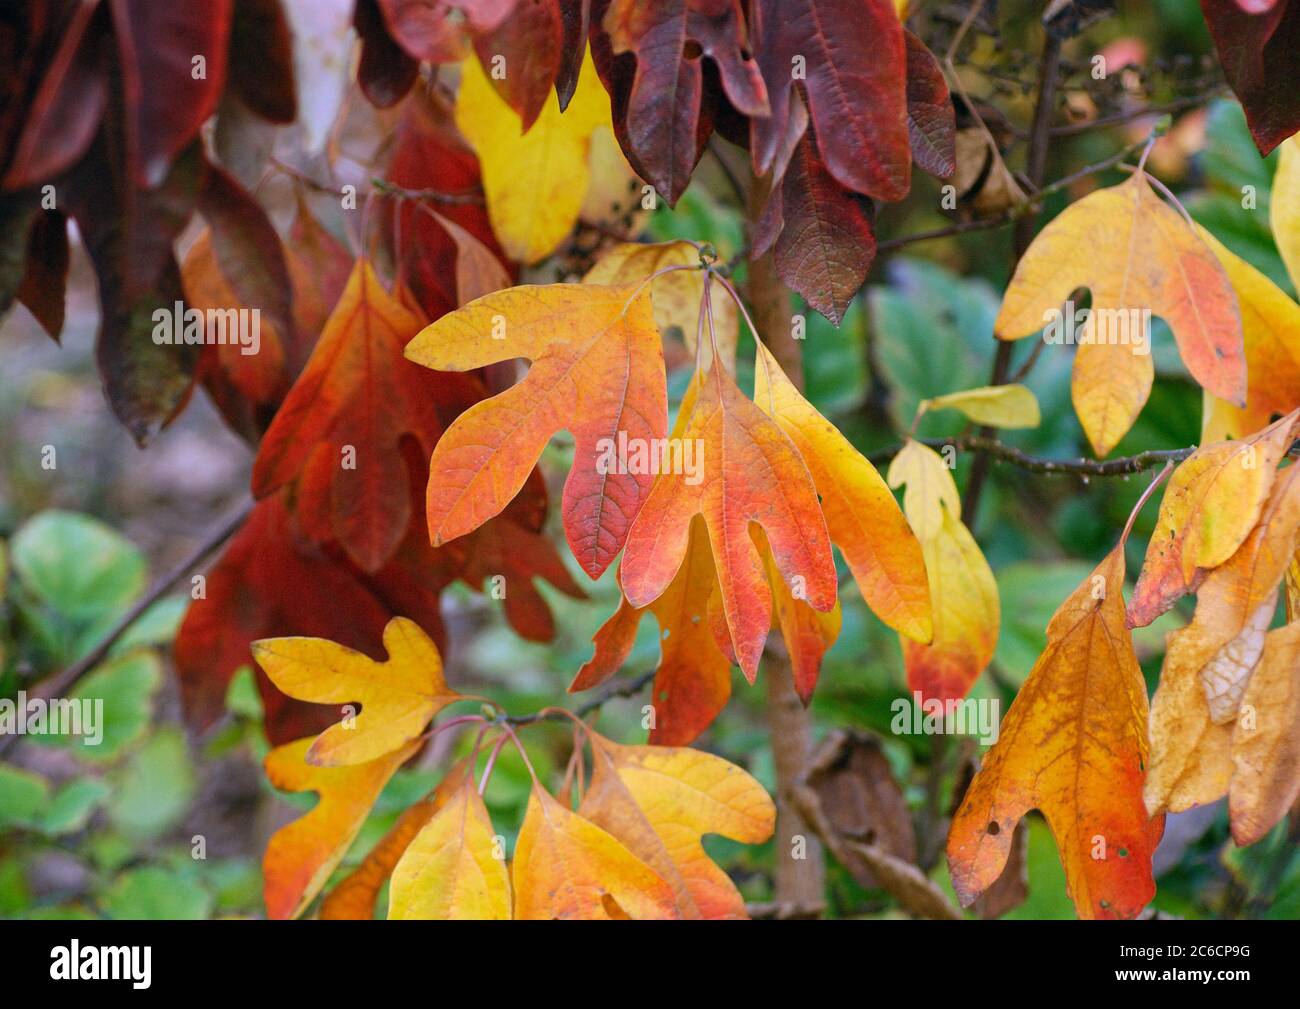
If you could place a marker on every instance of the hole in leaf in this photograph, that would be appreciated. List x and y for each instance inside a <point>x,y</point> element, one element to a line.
<point>993,828</point>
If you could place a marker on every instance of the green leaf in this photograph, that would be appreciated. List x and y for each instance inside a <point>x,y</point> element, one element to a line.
<point>72,806</point>
<point>78,576</point>
<point>121,693</point>
<point>155,788</point>
<point>156,894</point>
<point>933,334</point>
<point>23,795</point>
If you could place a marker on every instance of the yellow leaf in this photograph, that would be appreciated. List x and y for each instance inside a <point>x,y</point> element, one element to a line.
<point>1138,257</point>
<point>567,867</point>
<point>353,899</point>
<point>398,697</point>
<point>965,610</point>
<point>1208,664</point>
<point>660,800</point>
<point>929,487</point>
<point>676,296</point>
<point>1284,207</point>
<point>994,405</point>
<point>1266,740</point>
<point>454,868</point>
<point>1212,503</point>
<point>967,615</point>
<point>300,857</point>
<point>534,182</point>
<point>1269,321</point>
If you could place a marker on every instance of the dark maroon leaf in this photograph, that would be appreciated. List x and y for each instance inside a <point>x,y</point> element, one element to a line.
<point>821,235</point>
<point>46,132</point>
<point>1260,53</point>
<point>530,43</point>
<point>931,119</point>
<point>247,248</point>
<point>261,59</point>
<point>664,121</point>
<point>146,382</point>
<point>854,59</point>
<point>164,102</point>
<point>385,72</point>
<point>426,31</point>
<point>45,278</point>
<point>575,17</point>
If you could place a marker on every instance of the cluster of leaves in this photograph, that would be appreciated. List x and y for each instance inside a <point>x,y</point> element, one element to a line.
<point>113,796</point>
<point>395,456</point>
<point>632,848</point>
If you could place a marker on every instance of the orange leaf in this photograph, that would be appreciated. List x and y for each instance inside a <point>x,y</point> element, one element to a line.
<point>660,801</point>
<point>1212,503</point>
<point>358,397</point>
<point>693,679</point>
<point>597,370</point>
<point>1135,254</point>
<point>1073,745</point>
<point>808,634</point>
<point>862,517</point>
<point>300,857</point>
<point>567,867</point>
<point>750,472</point>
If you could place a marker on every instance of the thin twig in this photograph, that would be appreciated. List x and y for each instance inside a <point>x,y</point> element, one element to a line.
<point>60,683</point>
<point>994,449</point>
<point>626,688</point>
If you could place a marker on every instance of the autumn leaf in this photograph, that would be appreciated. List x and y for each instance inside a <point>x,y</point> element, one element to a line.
<point>862,517</point>
<point>398,697</point>
<point>855,63</point>
<point>300,857</point>
<point>597,370</point>
<point>662,124</point>
<point>1136,255</point>
<point>693,678</point>
<point>269,583</point>
<point>1073,745</point>
<point>1212,503</point>
<point>567,867</point>
<point>530,45</point>
<point>964,606</point>
<point>534,181</point>
<point>808,634</point>
<point>931,118</point>
<point>1009,406</point>
<point>821,235</point>
<point>1268,320</point>
<point>353,899</point>
<point>676,296</point>
<point>1284,206</point>
<point>359,397</point>
<point>1208,664</point>
<point>1266,740</point>
<point>660,801</point>
<point>1258,44</point>
<point>454,868</point>
<point>750,472</point>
